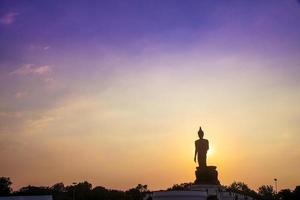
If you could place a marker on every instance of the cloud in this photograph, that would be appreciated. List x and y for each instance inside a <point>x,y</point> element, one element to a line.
<point>10,114</point>
<point>30,69</point>
<point>51,82</point>
<point>39,47</point>
<point>8,18</point>
<point>20,95</point>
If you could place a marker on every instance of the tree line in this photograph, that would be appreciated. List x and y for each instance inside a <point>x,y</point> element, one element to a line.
<point>85,191</point>
<point>264,192</point>
<point>79,191</point>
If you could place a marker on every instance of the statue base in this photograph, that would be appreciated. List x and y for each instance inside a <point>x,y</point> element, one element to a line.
<point>210,189</point>
<point>207,176</point>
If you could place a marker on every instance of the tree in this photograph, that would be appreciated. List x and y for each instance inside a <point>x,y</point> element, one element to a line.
<point>142,188</point>
<point>181,186</point>
<point>80,191</point>
<point>116,195</point>
<point>5,184</point>
<point>285,194</point>
<point>238,187</point>
<point>266,192</point>
<point>58,191</point>
<point>99,193</point>
<point>58,188</point>
<point>137,193</point>
<point>34,190</point>
<point>296,192</point>
<point>242,188</point>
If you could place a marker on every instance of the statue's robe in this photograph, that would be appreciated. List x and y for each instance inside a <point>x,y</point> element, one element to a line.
<point>202,147</point>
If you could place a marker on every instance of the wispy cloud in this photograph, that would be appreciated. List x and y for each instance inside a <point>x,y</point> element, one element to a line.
<point>8,18</point>
<point>38,47</point>
<point>30,69</point>
<point>10,114</point>
<point>20,95</point>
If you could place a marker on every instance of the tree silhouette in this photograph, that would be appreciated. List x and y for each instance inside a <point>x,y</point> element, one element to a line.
<point>5,184</point>
<point>34,190</point>
<point>137,193</point>
<point>296,192</point>
<point>239,187</point>
<point>181,186</point>
<point>285,194</point>
<point>80,191</point>
<point>58,191</point>
<point>99,193</point>
<point>266,192</point>
<point>242,188</point>
<point>58,188</point>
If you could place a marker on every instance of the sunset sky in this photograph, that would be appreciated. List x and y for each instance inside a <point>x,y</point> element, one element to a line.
<point>113,92</point>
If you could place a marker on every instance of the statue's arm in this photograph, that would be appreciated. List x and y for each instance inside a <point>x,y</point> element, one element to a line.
<point>195,155</point>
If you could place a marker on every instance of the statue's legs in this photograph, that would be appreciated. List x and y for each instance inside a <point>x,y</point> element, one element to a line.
<point>202,161</point>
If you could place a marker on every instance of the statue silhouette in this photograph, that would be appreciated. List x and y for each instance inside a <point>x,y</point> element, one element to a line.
<point>205,175</point>
<point>201,148</point>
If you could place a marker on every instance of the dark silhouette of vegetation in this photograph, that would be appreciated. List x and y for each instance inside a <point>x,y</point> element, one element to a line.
<point>5,184</point>
<point>85,191</point>
<point>266,192</point>
<point>285,194</point>
<point>34,190</point>
<point>79,191</point>
<point>137,193</point>
<point>242,188</point>
<point>296,192</point>
<point>180,187</point>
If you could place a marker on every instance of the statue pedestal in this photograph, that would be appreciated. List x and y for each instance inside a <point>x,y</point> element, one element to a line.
<point>206,187</point>
<point>213,194</point>
<point>209,189</point>
<point>179,195</point>
<point>207,176</point>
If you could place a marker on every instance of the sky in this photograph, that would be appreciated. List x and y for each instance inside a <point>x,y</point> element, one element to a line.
<point>113,92</point>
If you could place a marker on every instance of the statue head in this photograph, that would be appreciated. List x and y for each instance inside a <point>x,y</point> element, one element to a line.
<point>200,133</point>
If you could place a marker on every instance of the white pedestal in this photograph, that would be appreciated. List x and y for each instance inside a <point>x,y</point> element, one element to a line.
<point>211,189</point>
<point>199,192</point>
<point>180,195</point>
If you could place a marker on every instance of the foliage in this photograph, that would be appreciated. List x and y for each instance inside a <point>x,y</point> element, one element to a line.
<point>285,194</point>
<point>179,187</point>
<point>242,188</point>
<point>296,192</point>
<point>85,191</point>
<point>266,192</point>
<point>5,184</point>
<point>34,190</point>
<point>137,193</point>
<point>58,188</point>
<point>81,190</point>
